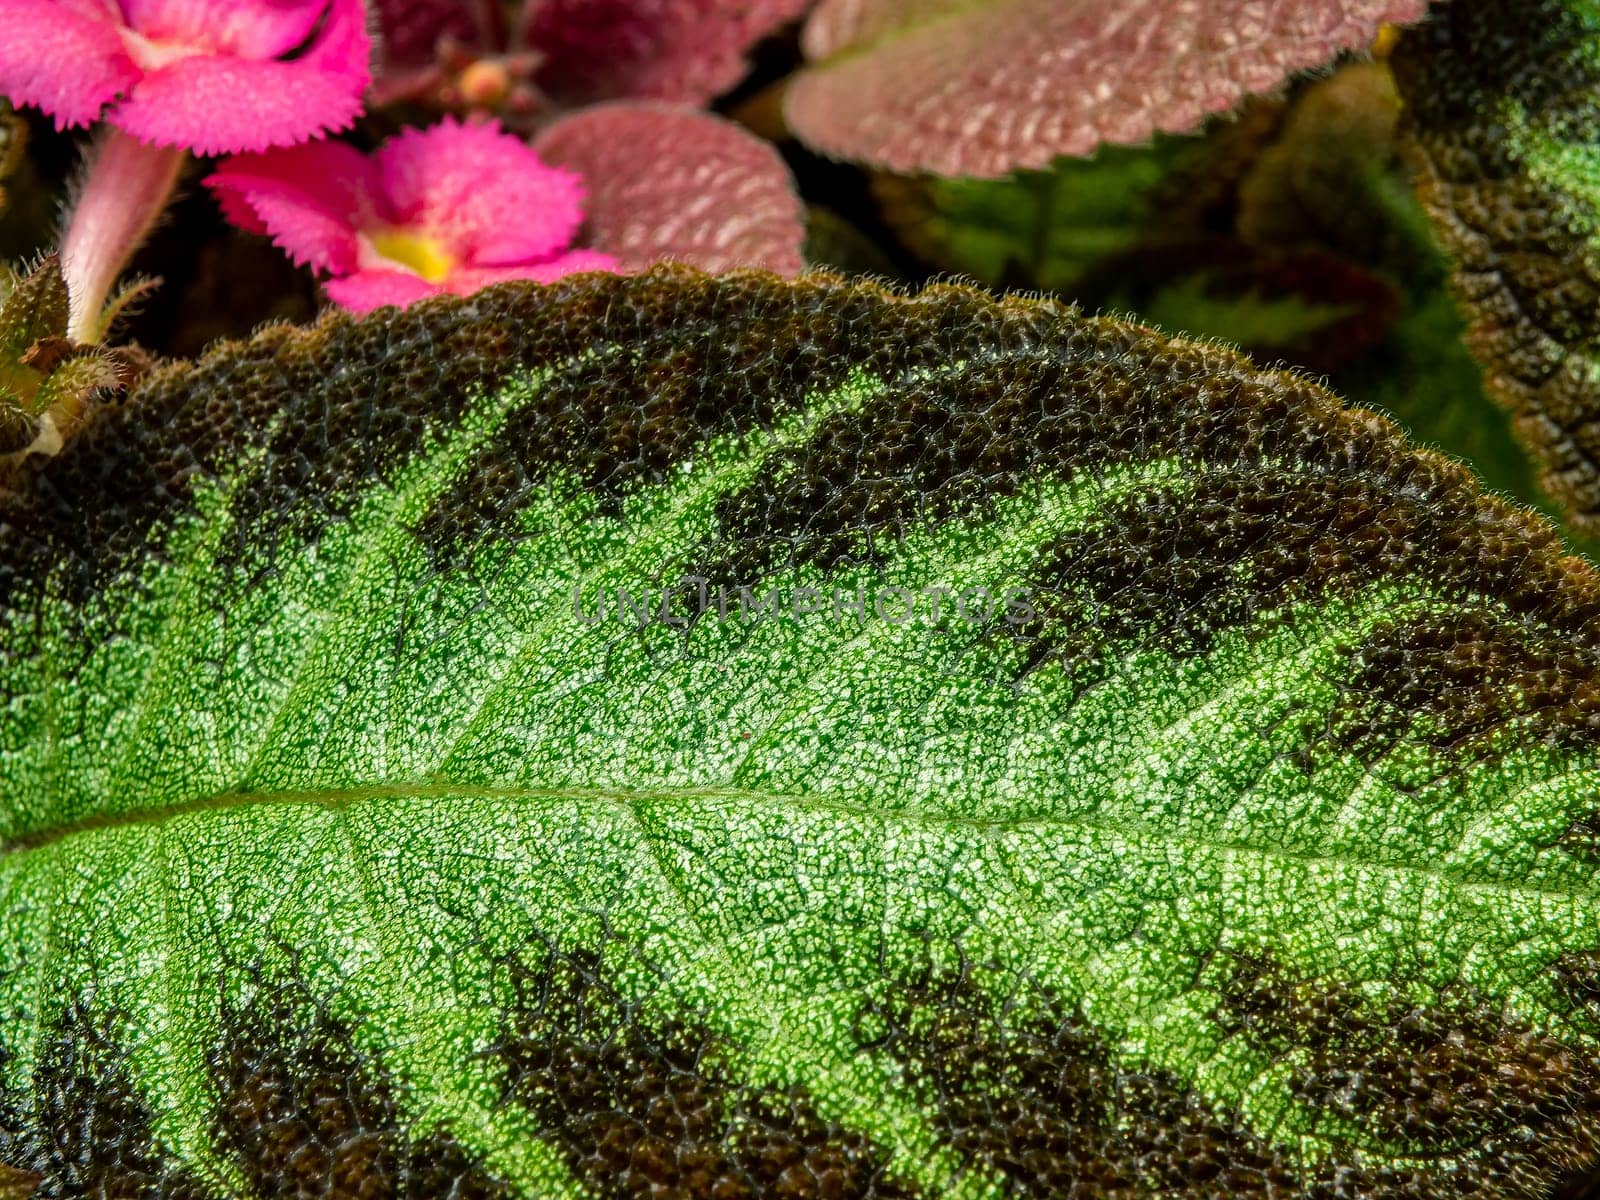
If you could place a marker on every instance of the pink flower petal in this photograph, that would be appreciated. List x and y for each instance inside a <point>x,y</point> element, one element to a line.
<point>343,47</point>
<point>218,103</point>
<point>261,29</point>
<point>471,279</point>
<point>481,191</point>
<point>310,237</point>
<point>312,200</point>
<point>64,58</point>
<point>367,290</point>
<point>688,50</point>
<point>672,183</point>
<point>238,211</point>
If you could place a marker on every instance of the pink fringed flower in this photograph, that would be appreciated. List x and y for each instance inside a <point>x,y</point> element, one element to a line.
<point>206,75</point>
<point>173,76</point>
<point>451,208</point>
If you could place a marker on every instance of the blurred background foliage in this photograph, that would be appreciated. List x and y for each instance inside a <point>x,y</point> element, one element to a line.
<point>1288,227</point>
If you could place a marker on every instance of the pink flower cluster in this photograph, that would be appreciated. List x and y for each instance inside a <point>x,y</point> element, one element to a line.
<point>451,208</point>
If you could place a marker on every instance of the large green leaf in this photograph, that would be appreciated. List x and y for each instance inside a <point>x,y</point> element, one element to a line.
<point>1250,848</point>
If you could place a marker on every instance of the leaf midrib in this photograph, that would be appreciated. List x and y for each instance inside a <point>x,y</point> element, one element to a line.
<point>337,798</point>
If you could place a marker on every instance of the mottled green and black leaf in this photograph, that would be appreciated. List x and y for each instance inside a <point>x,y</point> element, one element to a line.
<point>1504,133</point>
<point>357,839</point>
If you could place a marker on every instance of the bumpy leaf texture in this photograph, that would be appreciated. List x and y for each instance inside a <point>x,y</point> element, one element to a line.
<point>983,87</point>
<point>669,183</point>
<point>1248,847</point>
<point>1506,139</point>
<point>686,50</point>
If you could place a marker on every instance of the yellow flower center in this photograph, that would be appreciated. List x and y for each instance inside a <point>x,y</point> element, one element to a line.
<point>417,253</point>
<point>152,55</point>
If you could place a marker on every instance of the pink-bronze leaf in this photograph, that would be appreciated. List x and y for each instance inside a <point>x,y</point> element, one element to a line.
<point>682,50</point>
<point>984,88</point>
<point>668,183</point>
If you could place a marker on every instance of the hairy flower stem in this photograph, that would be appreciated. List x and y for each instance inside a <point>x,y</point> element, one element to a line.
<point>126,188</point>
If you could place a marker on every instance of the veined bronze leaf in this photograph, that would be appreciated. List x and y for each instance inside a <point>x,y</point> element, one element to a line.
<point>1226,831</point>
<point>987,87</point>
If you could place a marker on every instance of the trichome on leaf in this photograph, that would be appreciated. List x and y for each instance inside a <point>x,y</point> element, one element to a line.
<point>335,846</point>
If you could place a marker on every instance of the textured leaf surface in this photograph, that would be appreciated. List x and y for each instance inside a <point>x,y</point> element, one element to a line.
<point>1502,120</point>
<point>684,50</point>
<point>342,856</point>
<point>983,87</point>
<point>671,184</point>
<point>1424,375</point>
